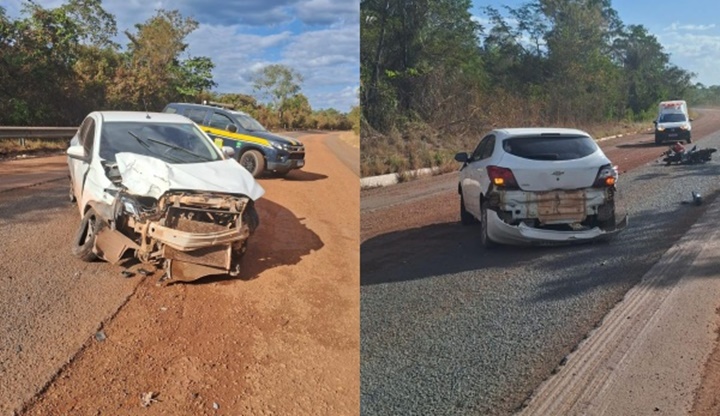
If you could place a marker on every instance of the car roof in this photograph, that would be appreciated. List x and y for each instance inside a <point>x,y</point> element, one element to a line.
<point>142,116</point>
<point>530,131</point>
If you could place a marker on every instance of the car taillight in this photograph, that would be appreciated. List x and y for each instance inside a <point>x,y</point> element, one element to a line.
<point>607,176</point>
<point>502,177</point>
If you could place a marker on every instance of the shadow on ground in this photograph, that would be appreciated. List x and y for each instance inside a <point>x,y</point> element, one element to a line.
<point>450,248</point>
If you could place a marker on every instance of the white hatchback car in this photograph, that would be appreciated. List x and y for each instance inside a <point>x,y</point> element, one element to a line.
<point>539,185</point>
<point>154,184</point>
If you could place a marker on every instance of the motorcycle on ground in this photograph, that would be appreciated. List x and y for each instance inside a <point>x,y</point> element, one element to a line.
<point>678,155</point>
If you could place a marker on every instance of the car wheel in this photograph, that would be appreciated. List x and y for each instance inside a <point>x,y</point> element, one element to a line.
<point>253,161</point>
<point>689,140</point>
<point>607,211</point>
<point>657,140</point>
<point>85,237</point>
<point>466,218</point>
<point>484,237</point>
<point>251,218</point>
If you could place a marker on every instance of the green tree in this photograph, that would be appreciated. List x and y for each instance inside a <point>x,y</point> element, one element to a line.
<point>277,83</point>
<point>194,76</point>
<point>152,73</point>
<point>296,111</point>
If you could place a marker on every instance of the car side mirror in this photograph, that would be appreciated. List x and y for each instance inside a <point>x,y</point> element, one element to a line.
<point>655,122</point>
<point>77,152</point>
<point>228,151</point>
<point>462,157</point>
<point>231,128</point>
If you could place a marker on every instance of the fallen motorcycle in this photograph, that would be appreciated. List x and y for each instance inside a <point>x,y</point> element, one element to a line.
<point>693,156</point>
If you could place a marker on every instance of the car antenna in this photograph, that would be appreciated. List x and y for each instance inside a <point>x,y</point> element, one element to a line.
<point>147,116</point>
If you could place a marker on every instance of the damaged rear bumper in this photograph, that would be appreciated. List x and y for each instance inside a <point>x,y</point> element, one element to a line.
<point>522,234</point>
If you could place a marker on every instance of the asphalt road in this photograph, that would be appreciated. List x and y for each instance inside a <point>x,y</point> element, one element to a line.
<point>448,328</point>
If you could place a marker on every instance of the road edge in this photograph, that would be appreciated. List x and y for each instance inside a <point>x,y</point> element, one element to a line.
<point>649,353</point>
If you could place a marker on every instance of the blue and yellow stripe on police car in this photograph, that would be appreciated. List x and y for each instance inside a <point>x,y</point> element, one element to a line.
<point>223,134</point>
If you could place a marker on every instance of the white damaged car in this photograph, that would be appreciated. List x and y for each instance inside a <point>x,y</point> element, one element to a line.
<point>154,186</point>
<point>539,185</point>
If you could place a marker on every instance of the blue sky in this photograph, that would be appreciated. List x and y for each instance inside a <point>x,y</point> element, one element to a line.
<point>688,30</point>
<point>318,38</point>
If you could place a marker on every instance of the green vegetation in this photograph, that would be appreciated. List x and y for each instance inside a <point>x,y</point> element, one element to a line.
<point>433,80</point>
<point>57,65</point>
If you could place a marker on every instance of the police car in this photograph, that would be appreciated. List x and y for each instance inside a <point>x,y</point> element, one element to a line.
<point>257,149</point>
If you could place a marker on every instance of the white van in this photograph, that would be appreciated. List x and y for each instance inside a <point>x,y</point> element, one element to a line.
<point>673,122</point>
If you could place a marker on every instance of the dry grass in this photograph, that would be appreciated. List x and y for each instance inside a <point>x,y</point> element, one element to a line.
<point>350,138</point>
<point>421,146</point>
<point>9,147</point>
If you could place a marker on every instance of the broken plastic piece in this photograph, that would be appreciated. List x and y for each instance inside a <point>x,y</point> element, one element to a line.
<point>697,198</point>
<point>146,399</point>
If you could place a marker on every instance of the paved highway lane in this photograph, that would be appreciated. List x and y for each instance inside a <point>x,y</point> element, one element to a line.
<point>448,328</point>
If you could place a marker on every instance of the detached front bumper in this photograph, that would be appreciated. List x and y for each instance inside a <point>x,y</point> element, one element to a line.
<point>522,234</point>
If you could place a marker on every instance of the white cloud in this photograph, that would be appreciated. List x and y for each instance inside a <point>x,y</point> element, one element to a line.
<point>698,53</point>
<point>326,58</point>
<point>699,28</point>
<point>328,11</point>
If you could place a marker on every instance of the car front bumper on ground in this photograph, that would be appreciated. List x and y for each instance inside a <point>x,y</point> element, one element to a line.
<point>503,233</point>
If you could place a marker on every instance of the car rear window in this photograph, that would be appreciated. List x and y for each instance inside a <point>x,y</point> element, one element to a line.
<point>554,147</point>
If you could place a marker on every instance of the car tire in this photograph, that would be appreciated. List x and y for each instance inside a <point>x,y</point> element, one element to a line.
<point>657,140</point>
<point>85,237</point>
<point>485,239</point>
<point>689,140</point>
<point>253,161</point>
<point>251,218</point>
<point>609,223</point>
<point>466,218</point>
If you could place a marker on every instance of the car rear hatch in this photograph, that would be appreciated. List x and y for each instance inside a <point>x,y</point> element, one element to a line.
<point>553,162</point>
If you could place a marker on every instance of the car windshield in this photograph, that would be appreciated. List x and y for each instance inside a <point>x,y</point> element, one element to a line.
<point>247,122</point>
<point>672,118</point>
<point>550,147</point>
<point>169,142</point>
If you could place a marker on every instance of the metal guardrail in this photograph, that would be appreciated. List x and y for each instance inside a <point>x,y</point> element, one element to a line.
<point>49,133</point>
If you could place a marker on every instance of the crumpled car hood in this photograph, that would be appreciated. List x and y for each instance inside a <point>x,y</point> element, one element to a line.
<point>148,176</point>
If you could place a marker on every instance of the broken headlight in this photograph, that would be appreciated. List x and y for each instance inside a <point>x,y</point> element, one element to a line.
<point>130,206</point>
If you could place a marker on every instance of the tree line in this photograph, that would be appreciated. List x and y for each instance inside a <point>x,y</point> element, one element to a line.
<point>57,65</point>
<point>430,69</point>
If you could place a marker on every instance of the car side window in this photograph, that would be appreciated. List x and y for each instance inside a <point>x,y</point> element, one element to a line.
<point>220,121</point>
<point>487,151</point>
<point>480,149</point>
<point>196,115</point>
<point>87,136</point>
